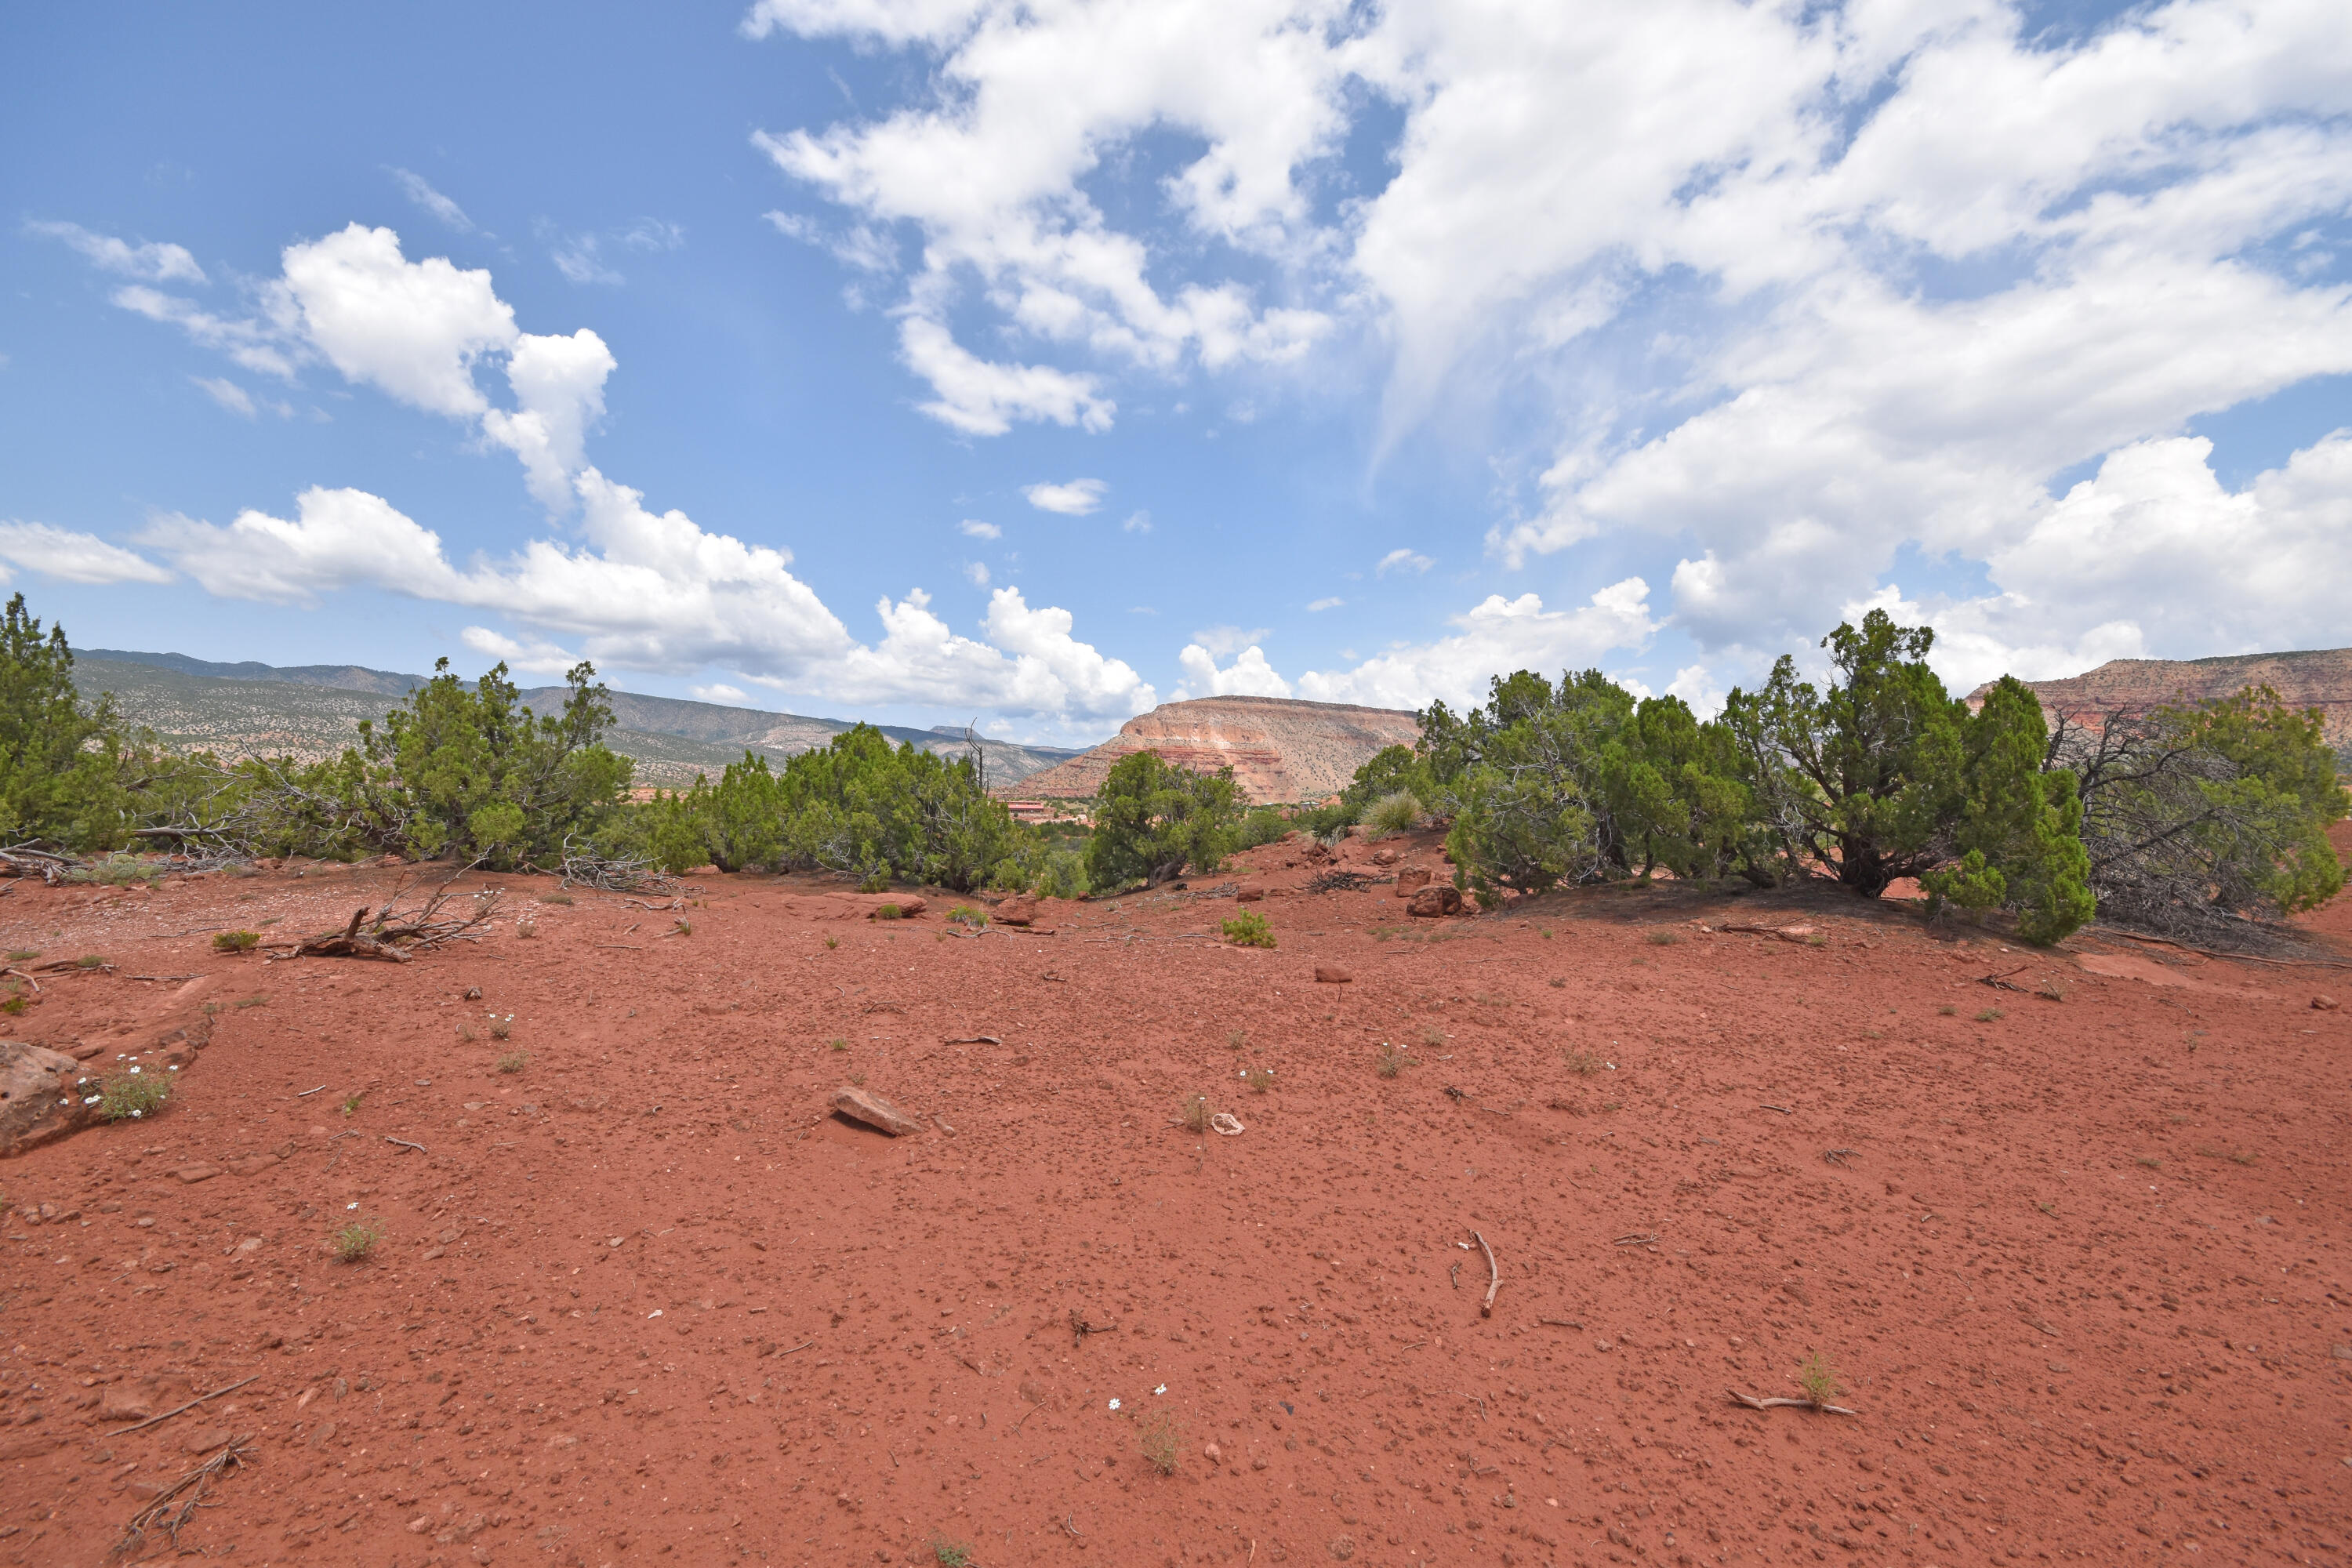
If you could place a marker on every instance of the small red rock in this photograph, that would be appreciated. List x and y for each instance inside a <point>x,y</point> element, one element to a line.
<point>1211,1453</point>
<point>1249,892</point>
<point>1411,880</point>
<point>874,1111</point>
<point>1331,975</point>
<point>2326,1003</point>
<point>1436,899</point>
<point>1017,911</point>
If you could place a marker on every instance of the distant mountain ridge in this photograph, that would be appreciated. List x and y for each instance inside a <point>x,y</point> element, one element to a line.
<point>1281,750</point>
<point>248,709</point>
<point>2316,678</point>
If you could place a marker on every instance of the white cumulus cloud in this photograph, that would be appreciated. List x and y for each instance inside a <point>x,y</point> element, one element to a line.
<point>72,557</point>
<point>1249,675</point>
<point>1496,637</point>
<point>1075,499</point>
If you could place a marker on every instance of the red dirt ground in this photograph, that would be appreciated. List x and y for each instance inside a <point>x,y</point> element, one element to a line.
<point>2082,1274</point>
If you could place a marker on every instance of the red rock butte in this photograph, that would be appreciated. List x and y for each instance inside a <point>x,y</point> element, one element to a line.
<point>1280,750</point>
<point>2321,679</point>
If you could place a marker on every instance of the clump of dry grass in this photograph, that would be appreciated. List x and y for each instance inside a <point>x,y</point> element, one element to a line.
<point>1162,1442</point>
<point>514,1062</point>
<point>1583,1064</point>
<point>1194,1113</point>
<point>1390,1061</point>
<point>1818,1379</point>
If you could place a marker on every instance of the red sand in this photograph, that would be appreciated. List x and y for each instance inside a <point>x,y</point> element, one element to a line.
<point>2081,1275</point>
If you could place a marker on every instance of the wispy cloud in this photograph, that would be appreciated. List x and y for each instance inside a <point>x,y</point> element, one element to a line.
<point>226,393</point>
<point>418,189</point>
<point>155,262</point>
<point>1320,604</point>
<point>1137,522</point>
<point>972,527</point>
<point>577,259</point>
<point>653,233</point>
<point>1401,560</point>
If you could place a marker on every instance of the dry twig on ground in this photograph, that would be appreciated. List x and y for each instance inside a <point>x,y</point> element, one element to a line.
<point>1775,1401</point>
<point>1339,883</point>
<point>174,1507</point>
<point>1493,1276</point>
<point>191,1405</point>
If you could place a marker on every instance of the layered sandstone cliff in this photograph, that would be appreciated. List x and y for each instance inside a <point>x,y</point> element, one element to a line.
<point>1280,750</point>
<point>2320,678</point>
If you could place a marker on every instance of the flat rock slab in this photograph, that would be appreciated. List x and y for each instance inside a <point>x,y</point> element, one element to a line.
<point>874,1111</point>
<point>1331,975</point>
<point>41,1095</point>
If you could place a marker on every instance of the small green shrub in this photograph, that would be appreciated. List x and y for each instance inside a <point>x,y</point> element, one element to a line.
<point>1664,937</point>
<point>1990,1016</point>
<point>1818,1378</point>
<point>15,1006</point>
<point>1259,1079</point>
<point>831,942</point>
<point>89,961</point>
<point>886,912</point>
<point>838,1044</point>
<point>513,1061</point>
<point>1390,1061</point>
<point>132,1095</point>
<point>1394,813</point>
<point>950,1553</point>
<point>1248,928</point>
<point>354,1242</point>
<point>965,915</point>
<point>352,1103</point>
<point>23,953</point>
<point>236,941</point>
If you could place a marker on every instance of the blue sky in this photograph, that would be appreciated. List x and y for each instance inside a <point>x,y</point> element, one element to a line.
<point>937,359</point>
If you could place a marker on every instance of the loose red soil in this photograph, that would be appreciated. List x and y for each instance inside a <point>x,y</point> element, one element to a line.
<point>2079,1270</point>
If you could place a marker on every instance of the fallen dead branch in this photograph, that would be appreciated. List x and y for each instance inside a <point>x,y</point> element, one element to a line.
<point>161,977</point>
<point>2001,982</point>
<point>1838,1157</point>
<point>406,1144</point>
<point>1782,1109</point>
<point>2316,960</point>
<point>174,1507</point>
<point>25,860</point>
<point>191,1405</point>
<point>1638,1238</point>
<point>1339,883</point>
<point>973,1039</point>
<point>1494,1279</point>
<point>1772,1402</point>
<point>1561,1323</point>
<point>24,977</point>
<point>584,867</point>
<point>394,935</point>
